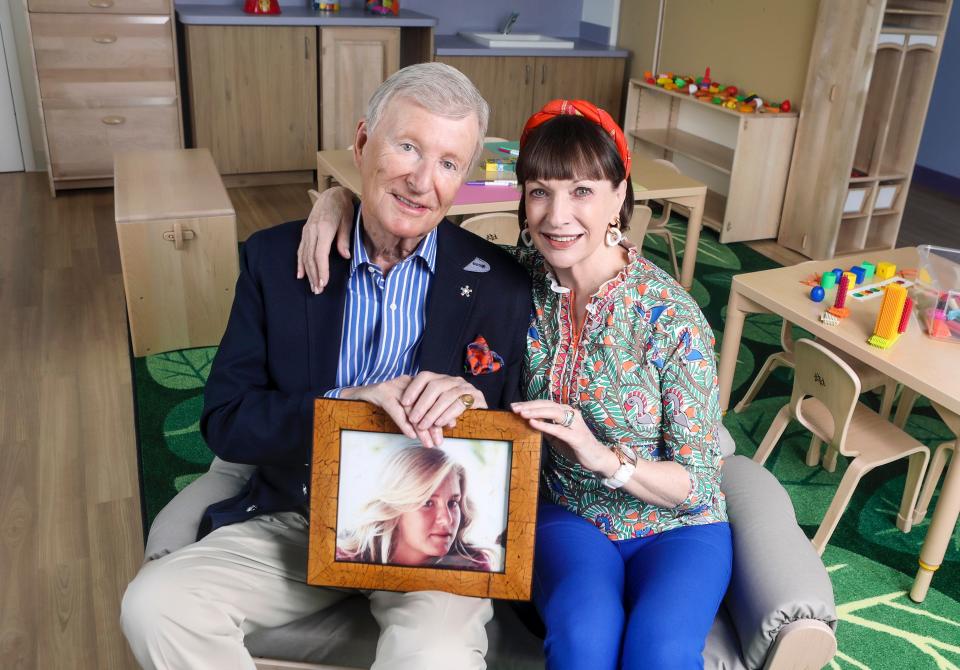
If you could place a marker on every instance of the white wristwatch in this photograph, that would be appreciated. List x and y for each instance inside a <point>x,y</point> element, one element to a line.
<point>620,477</point>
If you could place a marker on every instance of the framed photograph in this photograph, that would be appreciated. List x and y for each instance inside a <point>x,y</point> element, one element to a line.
<point>386,513</point>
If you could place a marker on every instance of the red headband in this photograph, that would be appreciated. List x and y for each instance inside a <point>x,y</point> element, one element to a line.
<point>587,110</point>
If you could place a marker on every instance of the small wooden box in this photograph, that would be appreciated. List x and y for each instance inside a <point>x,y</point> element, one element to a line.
<point>178,246</point>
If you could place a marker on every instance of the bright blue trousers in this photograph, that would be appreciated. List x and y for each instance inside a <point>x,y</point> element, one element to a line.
<point>643,603</point>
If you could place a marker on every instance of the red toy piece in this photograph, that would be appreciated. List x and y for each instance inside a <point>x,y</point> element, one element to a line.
<point>261,7</point>
<point>839,308</point>
<point>785,106</point>
<point>905,317</point>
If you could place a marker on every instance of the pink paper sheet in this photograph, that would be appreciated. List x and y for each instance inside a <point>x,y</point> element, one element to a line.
<point>476,195</point>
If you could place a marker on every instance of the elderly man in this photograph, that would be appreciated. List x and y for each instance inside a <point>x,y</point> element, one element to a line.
<point>391,327</point>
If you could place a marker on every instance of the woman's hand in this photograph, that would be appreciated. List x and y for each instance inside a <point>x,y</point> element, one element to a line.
<point>331,215</point>
<point>548,417</point>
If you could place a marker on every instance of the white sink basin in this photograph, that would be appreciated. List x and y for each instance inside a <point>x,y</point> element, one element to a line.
<point>518,41</point>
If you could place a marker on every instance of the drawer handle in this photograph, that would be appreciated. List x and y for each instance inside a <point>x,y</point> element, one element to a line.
<point>114,120</point>
<point>104,39</point>
<point>101,4</point>
<point>178,235</point>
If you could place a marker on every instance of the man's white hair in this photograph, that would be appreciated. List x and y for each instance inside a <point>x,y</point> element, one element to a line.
<point>438,88</point>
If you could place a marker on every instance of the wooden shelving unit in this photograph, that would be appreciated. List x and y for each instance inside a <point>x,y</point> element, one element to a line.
<point>742,158</point>
<point>865,103</point>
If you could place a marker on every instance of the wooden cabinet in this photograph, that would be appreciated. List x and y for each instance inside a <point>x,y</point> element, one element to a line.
<point>107,82</point>
<point>253,96</point>
<point>599,80</point>
<point>354,62</point>
<point>264,99</point>
<point>742,158</point>
<point>517,86</point>
<point>868,86</point>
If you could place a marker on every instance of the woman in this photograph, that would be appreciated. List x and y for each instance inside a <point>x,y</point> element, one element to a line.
<point>633,552</point>
<point>421,516</point>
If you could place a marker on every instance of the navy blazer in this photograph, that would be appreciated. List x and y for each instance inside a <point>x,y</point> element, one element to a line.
<point>281,349</point>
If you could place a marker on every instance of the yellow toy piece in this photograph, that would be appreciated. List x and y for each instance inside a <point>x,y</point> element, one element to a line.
<point>888,320</point>
<point>882,342</point>
<point>885,270</point>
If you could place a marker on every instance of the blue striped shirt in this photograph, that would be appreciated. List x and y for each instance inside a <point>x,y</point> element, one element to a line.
<point>384,316</point>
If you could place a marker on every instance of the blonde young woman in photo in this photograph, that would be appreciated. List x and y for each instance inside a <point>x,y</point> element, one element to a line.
<point>421,515</point>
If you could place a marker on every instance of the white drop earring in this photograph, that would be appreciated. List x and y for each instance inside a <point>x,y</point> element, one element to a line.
<point>526,238</point>
<point>614,234</point>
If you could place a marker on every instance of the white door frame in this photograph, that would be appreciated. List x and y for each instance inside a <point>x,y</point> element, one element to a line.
<point>16,86</point>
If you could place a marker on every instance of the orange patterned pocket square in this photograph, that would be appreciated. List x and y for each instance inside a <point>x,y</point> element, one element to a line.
<point>481,359</point>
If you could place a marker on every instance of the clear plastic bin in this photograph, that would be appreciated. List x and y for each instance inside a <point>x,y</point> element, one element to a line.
<point>936,293</point>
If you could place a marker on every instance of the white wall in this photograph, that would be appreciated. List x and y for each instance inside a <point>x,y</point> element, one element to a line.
<point>33,146</point>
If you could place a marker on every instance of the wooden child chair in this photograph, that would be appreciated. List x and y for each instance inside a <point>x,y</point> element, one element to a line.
<point>870,378</point>
<point>639,223</point>
<point>658,226</point>
<point>496,227</point>
<point>938,463</point>
<point>825,401</point>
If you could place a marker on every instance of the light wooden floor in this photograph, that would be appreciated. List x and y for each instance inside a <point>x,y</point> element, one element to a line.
<point>70,522</point>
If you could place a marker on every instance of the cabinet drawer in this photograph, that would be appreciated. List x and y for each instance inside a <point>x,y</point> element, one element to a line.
<point>101,6</point>
<point>82,140</point>
<point>103,56</point>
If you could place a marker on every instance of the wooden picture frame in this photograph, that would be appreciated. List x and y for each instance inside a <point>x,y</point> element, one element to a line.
<point>333,418</point>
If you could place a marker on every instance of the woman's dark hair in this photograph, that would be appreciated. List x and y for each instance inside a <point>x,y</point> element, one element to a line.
<point>572,147</point>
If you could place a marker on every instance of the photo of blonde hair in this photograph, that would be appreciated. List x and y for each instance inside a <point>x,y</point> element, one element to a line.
<point>421,514</point>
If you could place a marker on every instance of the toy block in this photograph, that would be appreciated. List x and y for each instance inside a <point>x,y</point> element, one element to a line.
<point>886,270</point>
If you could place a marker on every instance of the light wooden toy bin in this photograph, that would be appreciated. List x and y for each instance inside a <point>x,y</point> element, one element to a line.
<point>177,232</point>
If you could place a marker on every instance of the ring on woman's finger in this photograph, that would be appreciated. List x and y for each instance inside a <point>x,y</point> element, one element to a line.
<point>467,400</point>
<point>568,415</point>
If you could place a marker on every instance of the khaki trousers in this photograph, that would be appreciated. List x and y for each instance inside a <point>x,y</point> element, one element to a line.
<point>192,608</point>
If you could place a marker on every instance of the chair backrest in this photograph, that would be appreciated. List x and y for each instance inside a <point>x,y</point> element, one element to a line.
<point>822,374</point>
<point>496,227</point>
<point>638,224</point>
<point>664,162</point>
<point>786,336</point>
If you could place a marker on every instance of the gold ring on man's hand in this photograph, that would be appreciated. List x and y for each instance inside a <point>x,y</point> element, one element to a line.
<point>467,400</point>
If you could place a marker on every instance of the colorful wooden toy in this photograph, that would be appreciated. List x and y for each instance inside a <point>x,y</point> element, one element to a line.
<point>817,294</point>
<point>905,317</point>
<point>838,273</point>
<point>869,270</point>
<point>859,273</point>
<point>839,308</point>
<point>828,281</point>
<point>886,270</point>
<point>886,330</point>
<point>852,277</point>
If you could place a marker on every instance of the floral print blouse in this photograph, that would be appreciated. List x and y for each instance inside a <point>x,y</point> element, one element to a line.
<point>643,375</point>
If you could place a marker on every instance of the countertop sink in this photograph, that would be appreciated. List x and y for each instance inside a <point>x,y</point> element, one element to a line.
<point>518,41</point>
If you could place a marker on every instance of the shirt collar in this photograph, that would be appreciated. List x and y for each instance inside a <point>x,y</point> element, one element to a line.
<point>426,250</point>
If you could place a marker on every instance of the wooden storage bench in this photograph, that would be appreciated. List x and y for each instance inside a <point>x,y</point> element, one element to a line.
<point>178,246</point>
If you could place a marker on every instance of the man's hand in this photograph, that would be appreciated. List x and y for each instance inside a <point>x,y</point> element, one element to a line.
<point>331,215</point>
<point>433,402</point>
<point>421,406</point>
<point>386,395</point>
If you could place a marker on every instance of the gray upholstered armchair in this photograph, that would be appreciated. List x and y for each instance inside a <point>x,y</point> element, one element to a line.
<point>778,613</point>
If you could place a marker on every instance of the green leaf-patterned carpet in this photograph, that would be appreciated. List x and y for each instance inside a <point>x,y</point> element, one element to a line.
<point>870,562</point>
